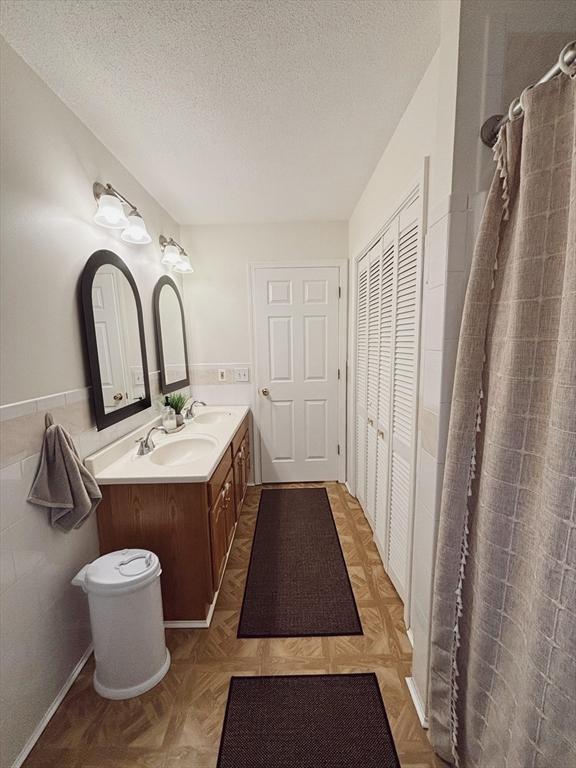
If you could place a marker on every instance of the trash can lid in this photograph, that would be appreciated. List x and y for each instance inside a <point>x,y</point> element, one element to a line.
<point>123,571</point>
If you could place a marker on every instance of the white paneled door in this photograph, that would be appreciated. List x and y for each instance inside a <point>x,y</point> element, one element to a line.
<point>296,316</point>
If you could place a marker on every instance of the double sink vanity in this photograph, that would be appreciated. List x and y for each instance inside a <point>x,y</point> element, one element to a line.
<point>181,500</point>
<point>179,493</point>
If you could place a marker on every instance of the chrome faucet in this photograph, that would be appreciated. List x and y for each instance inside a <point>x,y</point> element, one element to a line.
<point>146,444</point>
<point>189,411</point>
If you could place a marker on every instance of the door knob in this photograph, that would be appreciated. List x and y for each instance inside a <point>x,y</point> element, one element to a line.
<point>265,391</point>
<point>118,396</point>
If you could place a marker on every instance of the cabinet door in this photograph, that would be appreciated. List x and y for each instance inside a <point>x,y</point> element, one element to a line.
<point>238,481</point>
<point>245,464</point>
<point>218,539</point>
<point>229,507</point>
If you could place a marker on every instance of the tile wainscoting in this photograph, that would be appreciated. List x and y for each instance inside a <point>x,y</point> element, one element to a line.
<point>44,626</point>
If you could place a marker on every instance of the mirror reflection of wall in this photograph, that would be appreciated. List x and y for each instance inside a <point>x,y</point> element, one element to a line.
<point>115,339</point>
<point>171,335</point>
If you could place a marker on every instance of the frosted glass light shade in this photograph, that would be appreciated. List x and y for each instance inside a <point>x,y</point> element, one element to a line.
<point>183,265</point>
<point>171,255</point>
<point>136,231</point>
<point>110,213</point>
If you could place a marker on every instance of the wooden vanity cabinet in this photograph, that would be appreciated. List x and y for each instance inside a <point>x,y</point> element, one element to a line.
<point>190,526</point>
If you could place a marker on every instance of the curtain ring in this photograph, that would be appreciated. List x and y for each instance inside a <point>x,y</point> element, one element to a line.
<point>568,69</point>
<point>522,98</point>
<point>515,103</point>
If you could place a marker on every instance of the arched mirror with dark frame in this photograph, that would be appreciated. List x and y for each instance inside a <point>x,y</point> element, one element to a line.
<point>115,342</point>
<point>170,335</point>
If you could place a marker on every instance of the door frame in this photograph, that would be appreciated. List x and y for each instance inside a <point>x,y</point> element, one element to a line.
<point>342,266</point>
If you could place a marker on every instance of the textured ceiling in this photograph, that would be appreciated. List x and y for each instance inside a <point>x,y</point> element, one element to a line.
<point>234,110</point>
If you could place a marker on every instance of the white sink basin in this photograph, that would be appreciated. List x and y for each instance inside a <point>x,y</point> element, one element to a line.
<point>211,417</point>
<point>182,451</point>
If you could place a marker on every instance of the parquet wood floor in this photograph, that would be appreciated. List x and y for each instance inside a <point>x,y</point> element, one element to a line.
<point>178,723</point>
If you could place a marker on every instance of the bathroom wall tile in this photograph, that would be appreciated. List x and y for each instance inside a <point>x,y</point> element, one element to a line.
<point>428,431</point>
<point>78,395</point>
<point>457,256</point>
<point>436,250</point>
<point>20,605</point>
<point>448,204</point>
<point>21,437</point>
<point>433,317</point>
<point>432,379</point>
<point>75,418</point>
<point>29,469</point>
<point>443,426</point>
<point>420,657</point>
<point>423,563</point>
<point>10,494</point>
<point>51,402</point>
<point>427,492</point>
<point>450,354</point>
<point>455,292</point>
<point>29,539</point>
<point>16,410</point>
<point>7,569</point>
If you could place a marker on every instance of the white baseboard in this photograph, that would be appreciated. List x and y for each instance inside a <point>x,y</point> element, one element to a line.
<point>417,701</point>
<point>37,732</point>
<point>347,486</point>
<point>410,636</point>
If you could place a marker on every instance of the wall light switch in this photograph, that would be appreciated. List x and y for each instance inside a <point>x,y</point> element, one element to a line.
<point>241,374</point>
<point>221,374</point>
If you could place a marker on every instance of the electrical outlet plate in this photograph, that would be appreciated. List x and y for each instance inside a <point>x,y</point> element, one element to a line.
<point>221,374</point>
<point>241,374</point>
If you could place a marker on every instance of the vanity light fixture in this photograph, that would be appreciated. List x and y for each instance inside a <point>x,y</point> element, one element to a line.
<point>174,255</point>
<point>111,214</point>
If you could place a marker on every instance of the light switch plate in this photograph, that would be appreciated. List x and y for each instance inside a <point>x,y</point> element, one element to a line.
<point>241,374</point>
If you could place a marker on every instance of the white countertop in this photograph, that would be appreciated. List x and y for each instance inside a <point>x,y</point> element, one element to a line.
<point>118,463</point>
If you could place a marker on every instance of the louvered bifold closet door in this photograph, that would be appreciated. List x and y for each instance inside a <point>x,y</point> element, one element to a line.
<point>361,377</point>
<point>405,350</point>
<point>373,379</point>
<point>388,260</point>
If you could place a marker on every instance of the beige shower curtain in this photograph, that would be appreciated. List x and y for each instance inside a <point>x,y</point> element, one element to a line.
<point>503,663</point>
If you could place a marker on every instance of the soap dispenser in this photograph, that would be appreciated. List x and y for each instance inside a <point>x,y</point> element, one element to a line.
<point>168,417</point>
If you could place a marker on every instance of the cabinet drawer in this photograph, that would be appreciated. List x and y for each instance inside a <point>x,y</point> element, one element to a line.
<point>240,434</point>
<point>219,477</point>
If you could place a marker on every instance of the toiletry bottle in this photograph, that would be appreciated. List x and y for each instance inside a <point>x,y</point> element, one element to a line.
<point>169,418</point>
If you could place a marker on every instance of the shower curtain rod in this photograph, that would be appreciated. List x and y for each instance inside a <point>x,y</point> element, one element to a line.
<point>490,128</point>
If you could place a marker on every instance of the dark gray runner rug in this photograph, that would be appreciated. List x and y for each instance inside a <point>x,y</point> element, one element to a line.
<point>306,721</point>
<point>297,583</point>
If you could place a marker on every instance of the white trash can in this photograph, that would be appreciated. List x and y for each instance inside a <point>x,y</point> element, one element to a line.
<point>126,617</point>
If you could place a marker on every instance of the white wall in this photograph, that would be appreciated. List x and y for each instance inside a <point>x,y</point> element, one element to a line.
<point>49,161</point>
<point>217,295</point>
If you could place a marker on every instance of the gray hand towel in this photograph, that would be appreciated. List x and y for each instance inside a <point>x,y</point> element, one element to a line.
<point>62,482</point>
